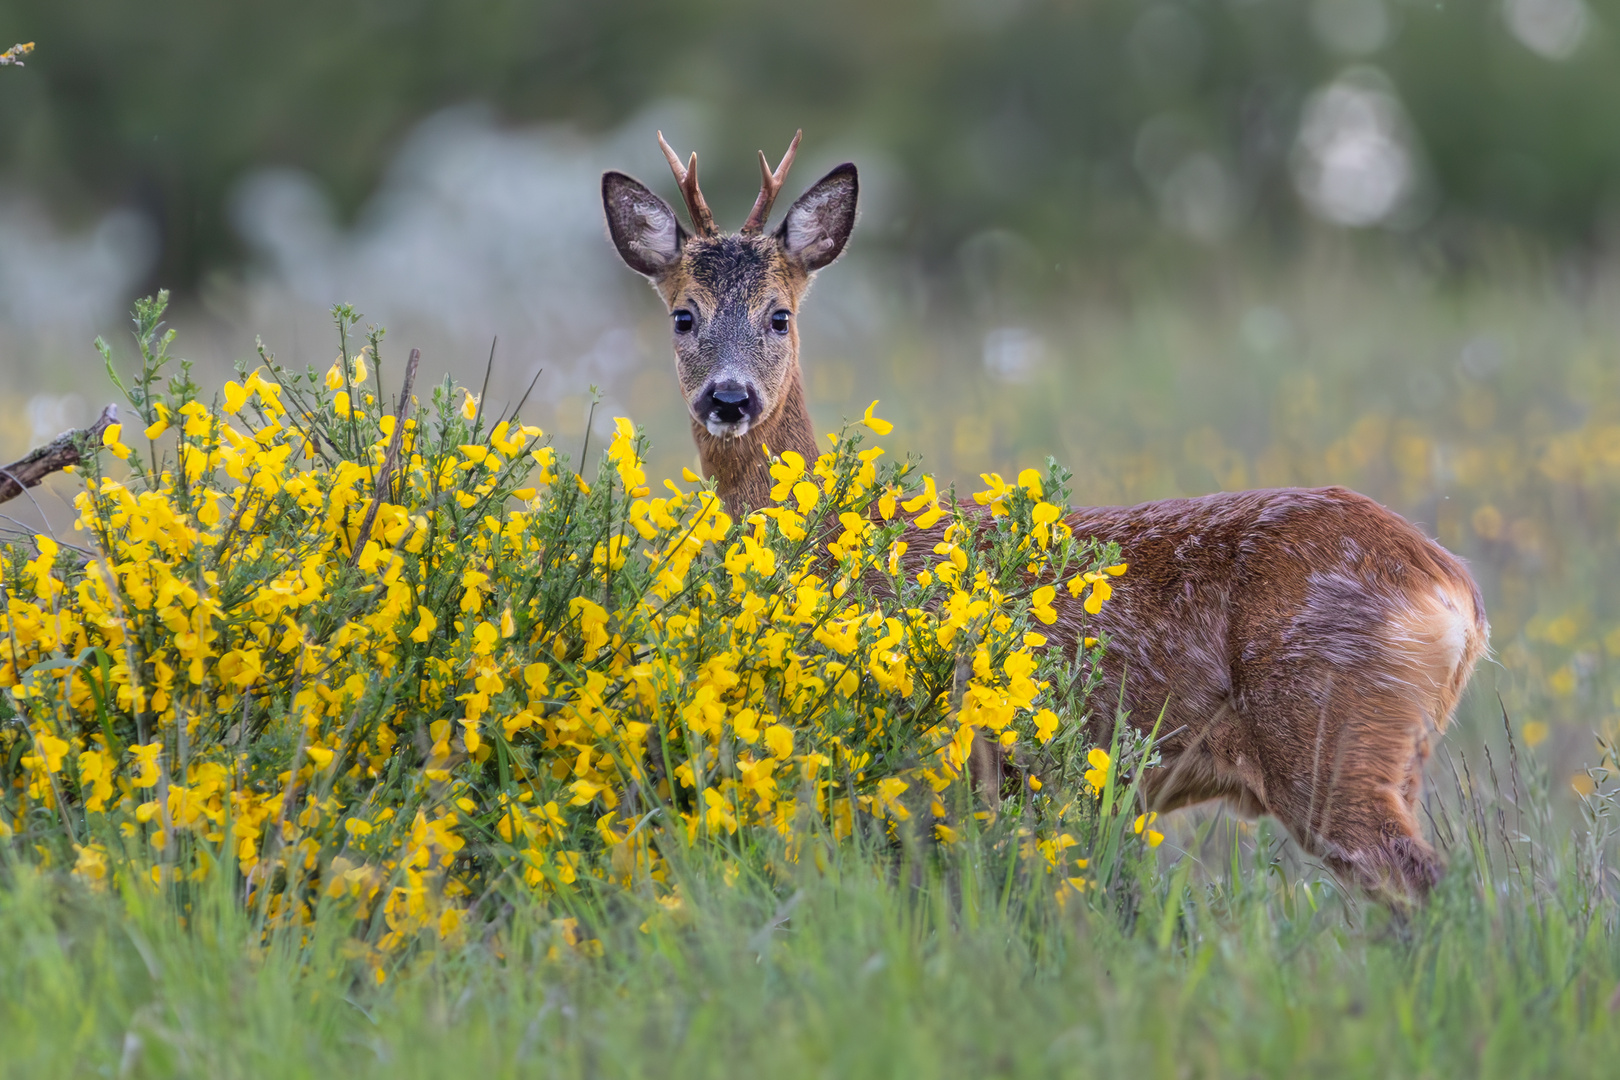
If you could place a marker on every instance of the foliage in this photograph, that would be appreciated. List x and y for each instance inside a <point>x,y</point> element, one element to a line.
<point>376,670</point>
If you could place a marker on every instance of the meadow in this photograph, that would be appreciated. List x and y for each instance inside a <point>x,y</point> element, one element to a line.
<point>323,809</point>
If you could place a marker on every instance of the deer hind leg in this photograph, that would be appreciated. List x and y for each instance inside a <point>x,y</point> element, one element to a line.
<point>1387,721</point>
<point>985,766</point>
<point>1347,781</point>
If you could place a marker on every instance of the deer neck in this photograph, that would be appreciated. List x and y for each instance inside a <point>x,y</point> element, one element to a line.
<point>739,465</point>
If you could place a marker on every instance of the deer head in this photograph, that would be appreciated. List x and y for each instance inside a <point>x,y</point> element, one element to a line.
<point>733,303</point>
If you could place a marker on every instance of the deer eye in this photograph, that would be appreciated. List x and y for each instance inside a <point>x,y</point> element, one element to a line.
<point>779,321</point>
<point>683,321</point>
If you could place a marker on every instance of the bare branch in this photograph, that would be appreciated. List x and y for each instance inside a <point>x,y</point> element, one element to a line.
<point>66,449</point>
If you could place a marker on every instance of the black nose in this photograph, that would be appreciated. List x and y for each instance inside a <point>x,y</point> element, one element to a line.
<point>730,402</point>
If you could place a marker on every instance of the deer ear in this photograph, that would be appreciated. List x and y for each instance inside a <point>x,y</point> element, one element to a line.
<point>818,225</point>
<point>643,226</point>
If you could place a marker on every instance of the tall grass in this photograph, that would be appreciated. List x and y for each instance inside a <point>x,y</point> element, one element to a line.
<point>1225,957</point>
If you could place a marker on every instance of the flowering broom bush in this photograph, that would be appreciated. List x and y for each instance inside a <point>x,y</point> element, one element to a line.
<point>379,668</point>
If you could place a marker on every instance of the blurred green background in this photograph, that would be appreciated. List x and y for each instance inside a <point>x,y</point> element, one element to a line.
<point>1079,123</point>
<point>1182,245</point>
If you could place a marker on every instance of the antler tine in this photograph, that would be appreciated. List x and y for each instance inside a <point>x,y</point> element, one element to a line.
<point>686,176</point>
<point>769,185</point>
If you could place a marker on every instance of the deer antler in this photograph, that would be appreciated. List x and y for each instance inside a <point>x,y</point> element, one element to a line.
<point>769,185</point>
<point>686,177</point>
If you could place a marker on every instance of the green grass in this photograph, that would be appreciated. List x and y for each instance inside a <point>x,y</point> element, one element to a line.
<point>1229,957</point>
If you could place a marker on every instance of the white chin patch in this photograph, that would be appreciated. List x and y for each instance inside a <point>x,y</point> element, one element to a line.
<point>727,431</point>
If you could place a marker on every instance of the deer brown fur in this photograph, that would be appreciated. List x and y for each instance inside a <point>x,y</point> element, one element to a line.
<point>1306,646</point>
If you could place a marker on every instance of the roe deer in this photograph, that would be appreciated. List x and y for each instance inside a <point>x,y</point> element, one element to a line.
<point>1306,646</point>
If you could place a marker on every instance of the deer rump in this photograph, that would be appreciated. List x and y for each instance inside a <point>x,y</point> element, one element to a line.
<point>1306,647</point>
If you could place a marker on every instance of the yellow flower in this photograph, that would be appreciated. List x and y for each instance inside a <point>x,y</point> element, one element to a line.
<point>236,396</point>
<point>109,439</point>
<point>54,749</point>
<point>95,776</point>
<point>995,496</point>
<point>807,494</point>
<point>241,667</point>
<point>334,375</point>
<point>1040,604</point>
<point>1153,836</point>
<point>1101,590</point>
<point>1097,775</point>
<point>592,622</point>
<point>1044,515</point>
<point>877,424</point>
<point>469,406</point>
<point>779,740</point>
<point>157,427</point>
<point>146,761</point>
<point>719,811</point>
<point>929,497</point>
<point>1046,725</point>
<point>91,865</point>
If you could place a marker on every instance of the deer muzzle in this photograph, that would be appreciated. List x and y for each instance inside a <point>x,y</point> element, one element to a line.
<point>728,408</point>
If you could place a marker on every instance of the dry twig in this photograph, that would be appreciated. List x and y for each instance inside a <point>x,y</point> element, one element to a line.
<point>66,449</point>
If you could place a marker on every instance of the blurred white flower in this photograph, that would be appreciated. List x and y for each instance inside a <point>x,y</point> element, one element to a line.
<point>1197,193</point>
<point>1012,353</point>
<point>1355,162</point>
<point>477,228</point>
<point>51,414</point>
<point>1550,28</point>
<point>53,281</point>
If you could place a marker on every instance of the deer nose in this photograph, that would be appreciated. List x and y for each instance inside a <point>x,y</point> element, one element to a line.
<point>731,402</point>
<point>731,397</point>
